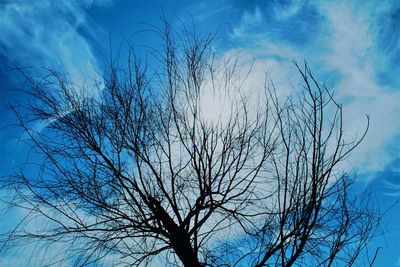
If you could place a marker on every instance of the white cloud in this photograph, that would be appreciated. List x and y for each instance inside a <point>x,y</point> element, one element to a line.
<point>285,11</point>
<point>352,53</point>
<point>41,34</point>
<point>46,34</point>
<point>249,21</point>
<point>345,48</point>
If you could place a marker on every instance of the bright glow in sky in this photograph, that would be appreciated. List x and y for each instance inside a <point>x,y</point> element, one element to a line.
<point>352,46</point>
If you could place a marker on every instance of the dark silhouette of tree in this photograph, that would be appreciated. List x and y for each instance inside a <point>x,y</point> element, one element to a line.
<point>135,172</point>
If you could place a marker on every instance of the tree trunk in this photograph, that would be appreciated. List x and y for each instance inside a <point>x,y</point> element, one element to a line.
<point>179,238</point>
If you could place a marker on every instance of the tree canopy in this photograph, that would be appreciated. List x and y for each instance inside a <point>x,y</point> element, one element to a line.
<point>143,171</point>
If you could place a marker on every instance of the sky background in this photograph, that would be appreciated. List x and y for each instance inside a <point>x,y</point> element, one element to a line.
<point>351,46</point>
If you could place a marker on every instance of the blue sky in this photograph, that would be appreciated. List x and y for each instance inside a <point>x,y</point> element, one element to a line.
<point>352,46</point>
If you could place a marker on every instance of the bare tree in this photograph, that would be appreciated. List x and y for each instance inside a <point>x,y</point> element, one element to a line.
<point>136,172</point>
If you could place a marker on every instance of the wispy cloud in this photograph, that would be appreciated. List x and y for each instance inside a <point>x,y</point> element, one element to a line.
<point>41,34</point>
<point>344,48</point>
<point>251,20</point>
<point>285,10</point>
<point>353,53</point>
<point>49,34</point>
